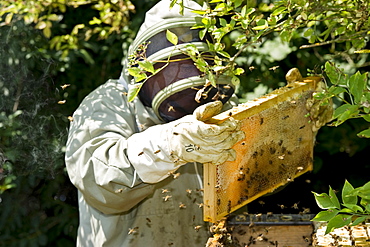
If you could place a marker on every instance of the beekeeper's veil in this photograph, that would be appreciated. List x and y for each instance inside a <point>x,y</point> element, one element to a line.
<point>172,92</point>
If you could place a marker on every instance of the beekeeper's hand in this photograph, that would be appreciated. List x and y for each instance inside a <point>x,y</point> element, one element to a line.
<point>162,149</point>
<point>192,140</point>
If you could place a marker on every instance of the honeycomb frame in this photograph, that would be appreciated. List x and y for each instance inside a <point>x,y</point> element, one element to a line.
<point>277,149</point>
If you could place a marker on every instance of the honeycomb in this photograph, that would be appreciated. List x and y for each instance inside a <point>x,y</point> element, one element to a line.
<point>278,148</point>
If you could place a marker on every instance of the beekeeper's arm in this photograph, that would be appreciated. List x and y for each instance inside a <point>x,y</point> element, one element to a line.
<point>115,167</point>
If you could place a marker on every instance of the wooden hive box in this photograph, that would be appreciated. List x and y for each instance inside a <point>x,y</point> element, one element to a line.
<point>278,148</point>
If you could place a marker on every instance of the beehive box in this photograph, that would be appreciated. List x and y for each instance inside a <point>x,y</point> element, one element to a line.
<point>278,148</point>
<point>345,236</point>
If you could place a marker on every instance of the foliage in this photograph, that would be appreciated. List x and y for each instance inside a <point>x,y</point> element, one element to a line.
<point>342,24</point>
<point>49,63</point>
<point>353,210</point>
<point>353,90</point>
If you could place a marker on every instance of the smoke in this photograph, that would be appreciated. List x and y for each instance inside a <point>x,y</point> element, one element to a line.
<point>32,127</point>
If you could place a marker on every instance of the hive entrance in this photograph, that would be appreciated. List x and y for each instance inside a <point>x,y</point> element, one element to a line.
<point>278,148</point>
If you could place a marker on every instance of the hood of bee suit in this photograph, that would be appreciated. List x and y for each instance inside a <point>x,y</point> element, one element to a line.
<point>179,87</point>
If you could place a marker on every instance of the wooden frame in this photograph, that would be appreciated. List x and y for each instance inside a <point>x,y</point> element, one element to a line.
<point>278,148</point>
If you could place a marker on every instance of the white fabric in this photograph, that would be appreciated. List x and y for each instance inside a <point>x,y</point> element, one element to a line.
<point>112,196</point>
<point>161,11</point>
<point>161,149</point>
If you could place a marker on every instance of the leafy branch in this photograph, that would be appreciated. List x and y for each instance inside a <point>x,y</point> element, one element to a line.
<point>354,209</point>
<point>353,91</point>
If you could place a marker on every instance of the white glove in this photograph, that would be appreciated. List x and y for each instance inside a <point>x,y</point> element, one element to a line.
<point>191,140</point>
<point>162,149</point>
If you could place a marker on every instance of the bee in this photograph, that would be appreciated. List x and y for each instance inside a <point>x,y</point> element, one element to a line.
<point>306,211</point>
<point>229,206</point>
<point>200,205</point>
<point>170,108</point>
<point>226,86</point>
<point>241,176</point>
<point>157,151</point>
<point>281,206</point>
<point>149,220</point>
<point>251,68</point>
<point>274,68</point>
<point>65,86</point>
<point>300,168</point>
<point>166,198</point>
<point>281,157</point>
<point>222,96</point>
<point>261,202</point>
<point>258,215</point>
<point>125,93</point>
<point>175,175</point>
<point>132,230</point>
<point>197,228</point>
<point>188,191</point>
<point>142,126</point>
<point>70,118</point>
<point>243,143</point>
<point>295,205</point>
<point>61,102</point>
<point>141,153</point>
<point>119,191</point>
<point>306,239</point>
<point>182,205</point>
<point>165,191</point>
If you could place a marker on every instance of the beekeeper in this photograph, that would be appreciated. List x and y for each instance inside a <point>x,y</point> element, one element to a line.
<point>137,165</point>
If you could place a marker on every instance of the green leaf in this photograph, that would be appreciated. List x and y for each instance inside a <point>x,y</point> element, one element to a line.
<point>353,207</point>
<point>308,32</point>
<point>147,66</point>
<point>171,37</point>
<point>359,220</point>
<point>334,198</point>
<point>347,197</point>
<point>331,72</point>
<point>364,134</point>
<point>357,85</point>
<point>238,71</point>
<point>345,112</point>
<point>324,201</point>
<point>326,215</point>
<point>335,90</point>
<point>224,53</point>
<point>261,24</point>
<point>338,221</point>
<point>278,11</point>
<point>134,91</point>
<point>137,73</point>
<point>237,3</point>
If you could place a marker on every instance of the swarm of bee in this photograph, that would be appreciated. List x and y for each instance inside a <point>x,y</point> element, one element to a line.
<point>221,235</point>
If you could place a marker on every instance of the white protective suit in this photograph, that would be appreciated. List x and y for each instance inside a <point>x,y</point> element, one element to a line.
<point>130,199</point>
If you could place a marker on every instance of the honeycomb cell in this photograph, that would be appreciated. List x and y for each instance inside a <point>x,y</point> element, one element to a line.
<point>278,148</point>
